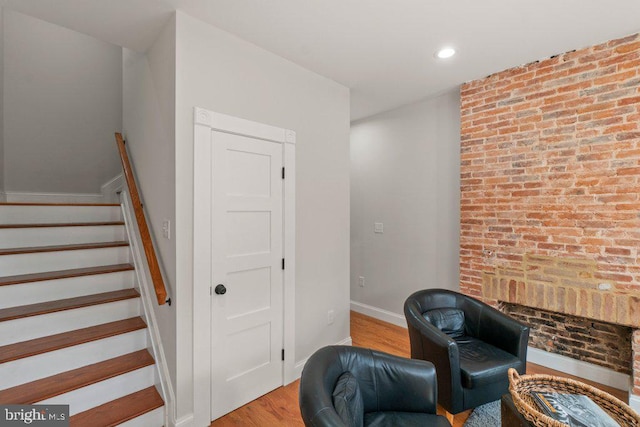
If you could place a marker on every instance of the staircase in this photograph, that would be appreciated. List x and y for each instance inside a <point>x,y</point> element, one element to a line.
<point>72,328</point>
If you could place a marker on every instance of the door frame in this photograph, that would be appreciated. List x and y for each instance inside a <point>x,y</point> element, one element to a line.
<point>205,122</point>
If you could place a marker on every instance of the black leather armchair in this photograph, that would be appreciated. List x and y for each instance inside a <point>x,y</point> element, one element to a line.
<point>471,344</point>
<point>350,386</point>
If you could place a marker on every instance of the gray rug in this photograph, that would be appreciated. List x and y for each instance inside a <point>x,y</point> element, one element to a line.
<point>487,415</point>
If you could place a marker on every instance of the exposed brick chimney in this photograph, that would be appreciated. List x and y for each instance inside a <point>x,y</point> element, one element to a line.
<point>550,186</point>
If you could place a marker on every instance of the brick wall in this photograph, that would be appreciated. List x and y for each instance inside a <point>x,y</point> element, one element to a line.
<point>595,342</point>
<point>550,166</point>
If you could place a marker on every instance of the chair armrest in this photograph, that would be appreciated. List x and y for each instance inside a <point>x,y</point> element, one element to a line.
<point>405,385</point>
<point>316,384</point>
<point>503,331</point>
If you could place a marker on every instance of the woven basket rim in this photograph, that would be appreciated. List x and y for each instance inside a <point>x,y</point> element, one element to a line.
<point>533,414</point>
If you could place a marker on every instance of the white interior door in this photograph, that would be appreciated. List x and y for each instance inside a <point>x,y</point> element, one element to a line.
<point>246,264</point>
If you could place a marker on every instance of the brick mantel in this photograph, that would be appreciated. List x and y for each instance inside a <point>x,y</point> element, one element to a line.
<point>563,285</point>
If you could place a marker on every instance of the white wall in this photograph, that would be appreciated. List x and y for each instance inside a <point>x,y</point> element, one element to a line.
<point>405,173</point>
<point>62,104</point>
<point>149,130</point>
<point>222,73</point>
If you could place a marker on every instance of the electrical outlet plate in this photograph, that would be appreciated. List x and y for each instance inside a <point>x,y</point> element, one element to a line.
<point>361,281</point>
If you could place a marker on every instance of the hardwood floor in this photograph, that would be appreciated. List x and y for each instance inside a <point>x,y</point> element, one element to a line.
<point>280,407</point>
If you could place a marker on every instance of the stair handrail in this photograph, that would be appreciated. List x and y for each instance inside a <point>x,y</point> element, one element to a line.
<point>147,242</point>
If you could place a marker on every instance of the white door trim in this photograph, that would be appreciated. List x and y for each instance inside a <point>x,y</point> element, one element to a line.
<point>206,121</point>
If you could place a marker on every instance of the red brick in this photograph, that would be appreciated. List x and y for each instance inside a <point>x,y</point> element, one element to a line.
<point>618,42</point>
<point>550,166</point>
<point>620,128</point>
<point>596,107</point>
<point>627,135</point>
<point>626,48</point>
<point>619,77</point>
<point>629,171</point>
<point>628,101</point>
<point>617,251</point>
<point>619,59</point>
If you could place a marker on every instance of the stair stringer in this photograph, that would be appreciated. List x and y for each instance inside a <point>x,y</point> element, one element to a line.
<point>144,283</point>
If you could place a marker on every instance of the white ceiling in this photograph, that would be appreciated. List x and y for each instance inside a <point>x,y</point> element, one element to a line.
<point>381,49</point>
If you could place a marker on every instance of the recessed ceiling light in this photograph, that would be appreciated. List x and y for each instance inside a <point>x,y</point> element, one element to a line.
<point>445,53</point>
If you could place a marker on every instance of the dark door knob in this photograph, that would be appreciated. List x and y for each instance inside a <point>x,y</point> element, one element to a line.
<point>220,289</point>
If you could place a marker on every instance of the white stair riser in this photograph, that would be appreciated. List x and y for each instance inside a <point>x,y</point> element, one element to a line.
<point>62,260</point>
<point>54,362</point>
<point>29,214</point>
<point>104,391</point>
<point>154,418</point>
<point>50,290</point>
<point>52,236</point>
<point>44,365</point>
<point>27,328</point>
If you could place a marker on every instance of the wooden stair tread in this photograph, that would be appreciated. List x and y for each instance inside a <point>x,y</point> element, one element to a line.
<point>120,410</point>
<point>55,204</point>
<point>68,339</point>
<point>61,224</point>
<point>45,388</point>
<point>59,248</point>
<point>63,274</point>
<point>66,304</point>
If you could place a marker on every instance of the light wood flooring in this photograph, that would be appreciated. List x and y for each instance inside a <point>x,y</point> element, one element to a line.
<point>280,407</point>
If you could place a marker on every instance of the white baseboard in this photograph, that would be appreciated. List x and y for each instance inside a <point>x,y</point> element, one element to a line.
<point>634,402</point>
<point>579,368</point>
<point>145,286</point>
<point>379,313</point>
<point>28,197</point>
<point>111,188</point>
<point>186,421</point>
<point>299,365</point>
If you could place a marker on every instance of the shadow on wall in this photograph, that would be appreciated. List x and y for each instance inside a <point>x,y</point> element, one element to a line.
<point>63,102</point>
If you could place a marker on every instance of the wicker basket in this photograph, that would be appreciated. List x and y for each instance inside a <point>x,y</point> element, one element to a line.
<point>520,388</point>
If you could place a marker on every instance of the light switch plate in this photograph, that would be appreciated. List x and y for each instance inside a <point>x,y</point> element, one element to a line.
<point>378,227</point>
<point>166,229</point>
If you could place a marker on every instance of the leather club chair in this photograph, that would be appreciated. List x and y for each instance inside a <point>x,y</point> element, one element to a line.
<point>350,386</point>
<point>471,344</point>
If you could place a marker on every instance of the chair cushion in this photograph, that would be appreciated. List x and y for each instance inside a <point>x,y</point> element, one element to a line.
<point>448,320</point>
<point>347,400</point>
<point>482,363</point>
<point>395,419</point>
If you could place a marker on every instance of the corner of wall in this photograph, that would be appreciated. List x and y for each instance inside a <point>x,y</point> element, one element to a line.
<point>112,188</point>
<point>148,123</point>
<point>299,366</point>
<point>379,313</point>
